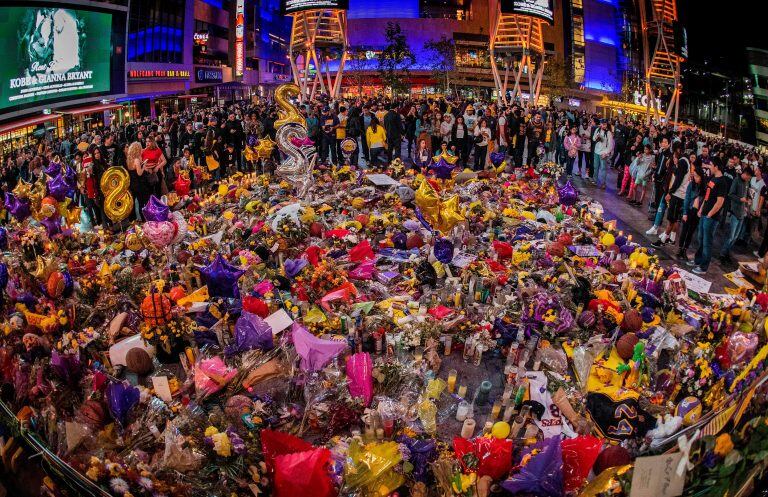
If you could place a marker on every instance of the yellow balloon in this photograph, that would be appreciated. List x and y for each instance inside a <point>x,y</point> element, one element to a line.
<point>500,430</point>
<point>442,215</point>
<point>288,112</point>
<point>265,147</point>
<point>118,201</point>
<point>608,240</point>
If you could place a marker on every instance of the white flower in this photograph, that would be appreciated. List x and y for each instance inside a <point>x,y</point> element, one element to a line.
<point>119,486</point>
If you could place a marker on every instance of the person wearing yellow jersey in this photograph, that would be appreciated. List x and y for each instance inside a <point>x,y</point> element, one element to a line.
<point>377,141</point>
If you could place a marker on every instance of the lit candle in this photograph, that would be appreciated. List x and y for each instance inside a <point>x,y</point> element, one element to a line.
<point>452,374</point>
<point>448,344</point>
<point>468,428</point>
<point>496,410</point>
<point>462,391</point>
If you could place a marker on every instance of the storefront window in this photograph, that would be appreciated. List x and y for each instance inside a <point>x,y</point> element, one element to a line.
<point>156,31</point>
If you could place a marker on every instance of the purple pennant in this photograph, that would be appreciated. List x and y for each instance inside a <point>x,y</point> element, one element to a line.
<point>221,278</point>
<point>442,169</point>
<point>155,210</point>
<point>294,267</point>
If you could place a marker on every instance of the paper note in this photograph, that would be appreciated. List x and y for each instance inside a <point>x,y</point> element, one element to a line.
<point>656,476</point>
<point>693,282</point>
<point>162,388</point>
<point>382,180</point>
<point>279,321</point>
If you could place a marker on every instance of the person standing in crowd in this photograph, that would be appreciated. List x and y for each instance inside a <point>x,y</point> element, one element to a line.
<point>674,197</point>
<point>377,142</point>
<point>585,158</point>
<point>755,206</point>
<point>738,204</point>
<point>571,143</point>
<point>709,215</point>
<point>661,174</point>
<point>341,131</point>
<point>460,140</point>
<point>482,137</point>
<point>694,196</point>
<point>393,126</point>
<point>353,131</point>
<point>410,129</point>
<point>603,139</point>
<point>329,123</point>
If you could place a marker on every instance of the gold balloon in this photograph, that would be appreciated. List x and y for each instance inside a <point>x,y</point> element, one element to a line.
<point>605,481</point>
<point>118,201</point>
<point>265,147</point>
<point>44,267</point>
<point>133,242</point>
<point>443,215</point>
<point>287,111</point>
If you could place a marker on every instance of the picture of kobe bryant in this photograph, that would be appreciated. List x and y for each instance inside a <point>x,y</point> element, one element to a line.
<point>50,41</point>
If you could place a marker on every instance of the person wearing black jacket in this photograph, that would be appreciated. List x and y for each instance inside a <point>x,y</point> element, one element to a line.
<point>187,138</point>
<point>354,129</point>
<point>199,145</point>
<point>393,126</point>
<point>461,140</point>
<point>660,179</point>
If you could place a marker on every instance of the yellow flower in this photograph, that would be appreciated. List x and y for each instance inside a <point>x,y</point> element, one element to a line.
<point>723,445</point>
<point>92,473</point>
<point>210,431</point>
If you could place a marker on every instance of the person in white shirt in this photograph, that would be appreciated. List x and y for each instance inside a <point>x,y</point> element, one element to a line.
<point>603,138</point>
<point>470,118</point>
<point>446,127</point>
<point>756,185</point>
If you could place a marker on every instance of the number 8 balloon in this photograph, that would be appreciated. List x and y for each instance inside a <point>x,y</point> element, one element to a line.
<point>118,201</point>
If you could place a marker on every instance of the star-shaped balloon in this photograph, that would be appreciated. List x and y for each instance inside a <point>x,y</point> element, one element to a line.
<point>221,278</point>
<point>19,208</point>
<point>59,188</point>
<point>265,147</point>
<point>441,215</point>
<point>53,169</point>
<point>52,225</point>
<point>44,267</point>
<point>155,210</point>
<point>450,159</point>
<point>442,168</point>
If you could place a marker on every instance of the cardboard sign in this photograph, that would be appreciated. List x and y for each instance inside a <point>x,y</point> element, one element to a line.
<point>279,321</point>
<point>656,476</point>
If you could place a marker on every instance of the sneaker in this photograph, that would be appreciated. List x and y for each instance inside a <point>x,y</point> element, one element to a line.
<point>663,237</point>
<point>698,270</point>
<point>652,230</point>
<point>672,237</point>
<point>690,263</point>
<point>658,243</point>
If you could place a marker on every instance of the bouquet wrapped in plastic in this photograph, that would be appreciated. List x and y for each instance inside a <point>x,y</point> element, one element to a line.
<point>360,376</point>
<point>486,456</point>
<point>369,469</point>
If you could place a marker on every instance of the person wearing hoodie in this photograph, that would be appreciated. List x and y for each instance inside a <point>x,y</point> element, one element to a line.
<point>738,197</point>
<point>603,138</point>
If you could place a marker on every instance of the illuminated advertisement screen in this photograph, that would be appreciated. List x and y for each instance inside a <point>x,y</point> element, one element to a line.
<point>541,9</point>
<point>292,6</point>
<point>52,53</point>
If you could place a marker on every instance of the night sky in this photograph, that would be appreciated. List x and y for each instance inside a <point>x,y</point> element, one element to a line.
<point>719,30</point>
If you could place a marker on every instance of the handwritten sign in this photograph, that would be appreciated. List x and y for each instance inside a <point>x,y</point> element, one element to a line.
<point>656,476</point>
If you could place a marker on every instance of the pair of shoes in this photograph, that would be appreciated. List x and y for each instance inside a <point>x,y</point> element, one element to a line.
<point>652,230</point>
<point>658,243</point>
<point>726,259</point>
<point>699,270</point>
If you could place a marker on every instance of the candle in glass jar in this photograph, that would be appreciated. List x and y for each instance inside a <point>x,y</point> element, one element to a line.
<point>507,394</point>
<point>448,344</point>
<point>483,392</point>
<point>468,428</point>
<point>462,391</point>
<point>418,353</point>
<point>452,374</point>
<point>478,354</point>
<point>496,410</point>
<point>462,410</point>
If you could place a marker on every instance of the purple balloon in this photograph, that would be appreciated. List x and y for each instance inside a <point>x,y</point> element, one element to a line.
<point>53,169</point>
<point>251,332</point>
<point>18,208</point>
<point>155,210</point>
<point>221,278</point>
<point>497,158</point>
<point>442,169</point>
<point>52,225</point>
<point>71,176</point>
<point>3,238</point>
<point>252,140</point>
<point>121,397</point>
<point>443,250</point>
<point>568,194</point>
<point>59,188</point>
<point>294,267</point>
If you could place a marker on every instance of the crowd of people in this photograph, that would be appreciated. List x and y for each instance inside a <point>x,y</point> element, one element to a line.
<point>696,183</point>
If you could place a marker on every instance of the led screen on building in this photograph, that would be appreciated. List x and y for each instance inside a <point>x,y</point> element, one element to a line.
<point>291,6</point>
<point>52,53</point>
<point>541,9</point>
